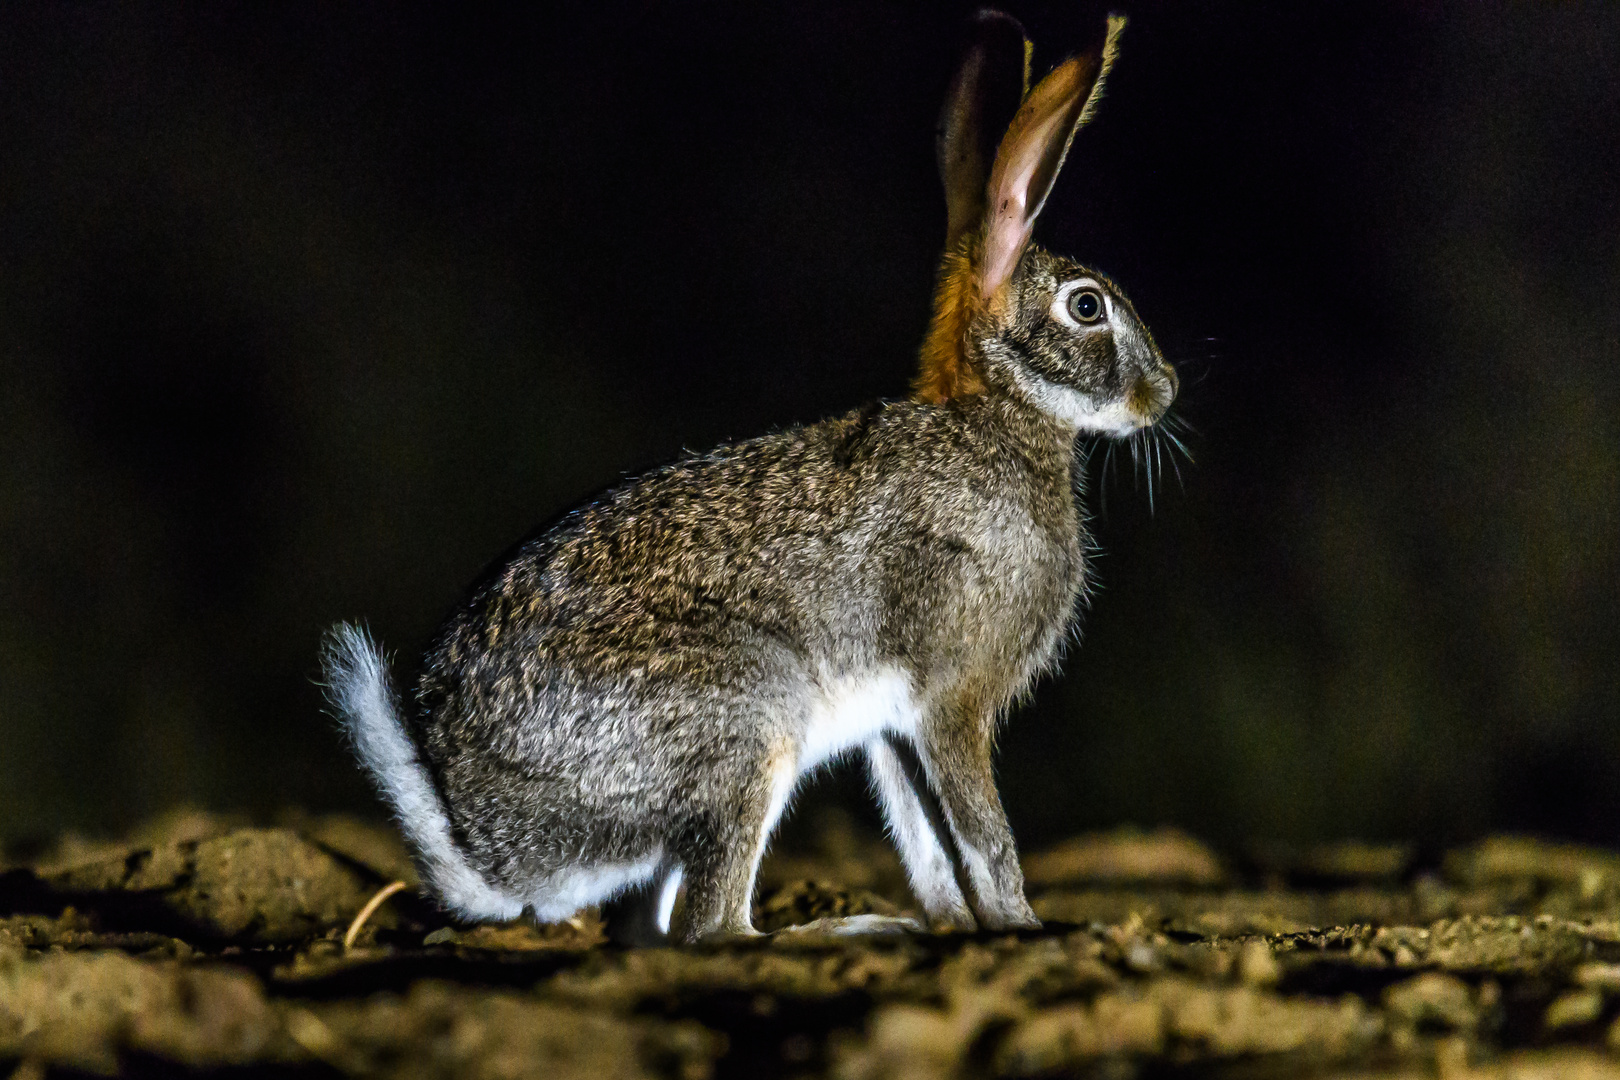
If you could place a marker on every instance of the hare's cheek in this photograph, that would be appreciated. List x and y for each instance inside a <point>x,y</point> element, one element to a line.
<point>1077,361</point>
<point>1094,365</point>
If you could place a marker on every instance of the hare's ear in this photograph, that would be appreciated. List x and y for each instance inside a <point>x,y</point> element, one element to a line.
<point>983,98</point>
<point>1032,153</point>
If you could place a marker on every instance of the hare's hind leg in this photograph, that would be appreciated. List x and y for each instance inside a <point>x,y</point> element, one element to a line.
<point>720,848</point>
<point>856,926</point>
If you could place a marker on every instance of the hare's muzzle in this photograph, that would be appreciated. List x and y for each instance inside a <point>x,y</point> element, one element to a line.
<point>1151,394</point>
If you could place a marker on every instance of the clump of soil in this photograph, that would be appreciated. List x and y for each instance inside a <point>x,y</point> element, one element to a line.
<point>205,945</point>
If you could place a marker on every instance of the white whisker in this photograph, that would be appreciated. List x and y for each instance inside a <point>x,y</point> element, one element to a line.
<point>1102,478</point>
<point>1178,444</point>
<point>1148,463</point>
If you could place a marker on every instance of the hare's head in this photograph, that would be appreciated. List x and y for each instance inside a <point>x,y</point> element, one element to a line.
<point>1010,317</point>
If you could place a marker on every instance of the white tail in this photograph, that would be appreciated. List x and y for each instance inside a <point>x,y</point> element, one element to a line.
<point>359,689</point>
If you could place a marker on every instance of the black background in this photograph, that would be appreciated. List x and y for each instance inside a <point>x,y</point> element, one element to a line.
<point>307,311</point>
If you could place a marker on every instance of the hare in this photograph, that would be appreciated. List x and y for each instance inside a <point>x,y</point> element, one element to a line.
<point>628,702</point>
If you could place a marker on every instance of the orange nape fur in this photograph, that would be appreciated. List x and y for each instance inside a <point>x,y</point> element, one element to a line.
<point>945,371</point>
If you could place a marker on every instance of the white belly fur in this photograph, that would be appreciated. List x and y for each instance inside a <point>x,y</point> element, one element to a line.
<point>853,710</point>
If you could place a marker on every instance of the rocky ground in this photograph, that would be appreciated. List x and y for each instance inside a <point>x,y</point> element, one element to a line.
<point>201,946</point>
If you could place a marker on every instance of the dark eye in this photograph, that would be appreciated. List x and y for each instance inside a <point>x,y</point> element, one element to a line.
<point>1086,305</point>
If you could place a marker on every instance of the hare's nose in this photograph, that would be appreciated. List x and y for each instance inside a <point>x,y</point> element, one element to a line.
<point>1175,383</point>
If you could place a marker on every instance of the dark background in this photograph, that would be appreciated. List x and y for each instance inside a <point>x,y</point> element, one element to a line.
<point>307,311</point>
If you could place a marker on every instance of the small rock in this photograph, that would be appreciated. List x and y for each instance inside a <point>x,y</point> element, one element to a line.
<point>1505,858</point>
<point>1573,1009</point>
<point>1257,965</point>
<point>1605,977</point>
<point>1142,957</point>
<point>1165,855</point>
<point>1433,998</point>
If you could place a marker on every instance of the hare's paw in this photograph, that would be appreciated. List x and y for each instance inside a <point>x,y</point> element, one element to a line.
<point>724,936</point>
<point>1015,917</point>
<point>956,922</point>
<point>854,925</point>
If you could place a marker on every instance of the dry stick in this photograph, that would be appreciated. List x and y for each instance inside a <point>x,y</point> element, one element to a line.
<point>366,912</point>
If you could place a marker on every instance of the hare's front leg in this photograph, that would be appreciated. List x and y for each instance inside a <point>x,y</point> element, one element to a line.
<point>918,828</point>
<point>954,745</point>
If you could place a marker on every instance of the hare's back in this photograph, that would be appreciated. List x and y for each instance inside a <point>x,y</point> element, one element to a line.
<point>846,546</point>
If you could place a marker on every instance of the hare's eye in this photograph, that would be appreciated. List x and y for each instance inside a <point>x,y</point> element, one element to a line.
<point>1086,305</point>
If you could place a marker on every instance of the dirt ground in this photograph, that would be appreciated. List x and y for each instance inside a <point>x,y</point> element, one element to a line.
<point>201,946</point>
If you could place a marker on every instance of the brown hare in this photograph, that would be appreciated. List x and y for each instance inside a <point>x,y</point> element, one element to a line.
<point>627,704</point>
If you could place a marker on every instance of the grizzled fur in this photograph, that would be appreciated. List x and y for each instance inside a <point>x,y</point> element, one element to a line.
<point>627,688</point>
<point>628,702</point>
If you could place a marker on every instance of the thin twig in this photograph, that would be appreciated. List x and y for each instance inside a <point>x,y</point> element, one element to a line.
<point>370,909</point>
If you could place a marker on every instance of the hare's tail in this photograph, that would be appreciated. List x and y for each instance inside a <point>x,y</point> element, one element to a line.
<point>362,695</point>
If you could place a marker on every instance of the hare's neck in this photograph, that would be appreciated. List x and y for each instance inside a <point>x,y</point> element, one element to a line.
<point>1046,442</point>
